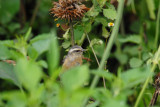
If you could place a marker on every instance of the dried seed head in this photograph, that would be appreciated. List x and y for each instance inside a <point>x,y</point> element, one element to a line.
<point>69,9</point>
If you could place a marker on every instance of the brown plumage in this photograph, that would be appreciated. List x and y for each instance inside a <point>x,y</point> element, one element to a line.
<point>74,58</point>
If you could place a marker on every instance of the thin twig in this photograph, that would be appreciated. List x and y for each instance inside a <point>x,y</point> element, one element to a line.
<point>35,12</point>
<point>72,32</point>
<point>22,13</point>
<point>104,82</point>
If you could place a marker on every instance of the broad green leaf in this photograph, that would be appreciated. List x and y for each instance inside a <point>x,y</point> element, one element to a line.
<point>11,101</point>
<point>135,76</point>
<point>122,58</point>
<point>78,32</point>
<point>135,62</point>
<point>8,8</point>
<point>53,53</point>
<point>105,32</point>
<point>32,53</point>
<point>131,50</point>
<point>4,52</point>
<point>43,64</point>
<point>132,39</point>
<point>87,27</point>
<point>7,72</point>
<point>103,73</point>
<point>96,42</point>
<point>101,2</point>
<point>110,13</point>
<point>92,12</point>
<point>41,43</point>
<point>28,73</point>
<point>75,78</point>
<point>102,20</point>
<point>66,44</point>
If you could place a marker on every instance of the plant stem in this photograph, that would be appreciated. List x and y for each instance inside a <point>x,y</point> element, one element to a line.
<point>144,86</point>
<point>111,41</point>
<point>155,62</point>
<point>104,82</point>
<point>157,27</point>
<point>35,12</point>
<point>110,44</point>
<point>72,32</point>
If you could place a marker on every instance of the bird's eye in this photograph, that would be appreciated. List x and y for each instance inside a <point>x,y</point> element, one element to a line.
<point>77,51</point>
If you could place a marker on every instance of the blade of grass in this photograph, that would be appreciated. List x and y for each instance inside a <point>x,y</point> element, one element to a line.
<point>157,27</point>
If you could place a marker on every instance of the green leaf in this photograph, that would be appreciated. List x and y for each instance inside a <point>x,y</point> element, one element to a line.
<point>75,77</point>
<point>122,58</point>
<point>102,2</point>
<point>41,43</point>
<point>135,76</point>
<point>132,38</point>
<point>28,73</point>
<point>96,42</point>
<point>102,20</point>
<point>7,72</point>
<point>8,8</point>
<point>27,35</point>
<point>110,13</point>
<point>87,27</point>
<point>4,52</point>
<point>11,101</point>
<point>53,54</point>
<point>151,8</point>
<point>103,73</point>
<point>131,50</point>
<point>105,32</point>
<point>92,12</point>
<point>66,44</point>
<point>135,62</point>
<point>66,34</point>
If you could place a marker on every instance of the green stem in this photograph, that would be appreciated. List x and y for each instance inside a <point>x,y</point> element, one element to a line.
<point>144,87</point>
<point>110,44</point>
<point>111,41</point>
<point>157,27</point>
<point>72,32</point>
<point>155,62</point>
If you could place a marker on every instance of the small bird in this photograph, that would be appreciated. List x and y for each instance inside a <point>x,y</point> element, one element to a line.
<point>74,57</point>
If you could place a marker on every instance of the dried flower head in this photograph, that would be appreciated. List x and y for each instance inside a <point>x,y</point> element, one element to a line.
<point>69,9</point>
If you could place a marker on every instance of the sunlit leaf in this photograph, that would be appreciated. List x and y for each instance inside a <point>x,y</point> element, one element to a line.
<point>132,38</point>
<point>4,52</point>
<point>7,72</point>
<point>53,53</point>
<point>110,13</point>
<point>41,43</point>
<point>135,62</point>
<point>105,32</point>
<point>28,73</point>
<point>75,77</point>
<point>135,76</point>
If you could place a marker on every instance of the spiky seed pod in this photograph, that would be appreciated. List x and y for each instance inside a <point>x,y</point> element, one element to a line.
<point>69,9</point>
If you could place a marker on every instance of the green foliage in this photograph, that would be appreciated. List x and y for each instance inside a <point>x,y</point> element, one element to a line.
<point>31,55</point>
